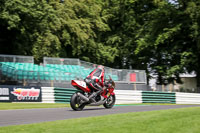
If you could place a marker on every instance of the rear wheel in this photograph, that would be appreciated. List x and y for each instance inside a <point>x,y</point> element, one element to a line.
<point>110,102</point>
<point>75,103</point>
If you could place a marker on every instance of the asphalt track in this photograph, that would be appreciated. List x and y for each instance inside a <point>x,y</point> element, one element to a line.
<point>27,116</point>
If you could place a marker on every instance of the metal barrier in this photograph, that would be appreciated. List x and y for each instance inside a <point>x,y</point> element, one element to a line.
<point>187,98</point>
<point>48,95</point>
<point>16,58</point>
<point>57,95</point>
<point>63,95</point>
<point>128,96</point>
<point>158,97</point>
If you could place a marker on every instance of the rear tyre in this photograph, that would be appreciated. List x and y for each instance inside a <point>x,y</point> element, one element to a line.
<point>110,102</point>
<point>75,103</point>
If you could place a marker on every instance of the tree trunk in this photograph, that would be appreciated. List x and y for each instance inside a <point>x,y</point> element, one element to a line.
<point>159,79</point>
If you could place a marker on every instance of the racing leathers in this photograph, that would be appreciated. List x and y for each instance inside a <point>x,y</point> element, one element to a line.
<point>95,80</point>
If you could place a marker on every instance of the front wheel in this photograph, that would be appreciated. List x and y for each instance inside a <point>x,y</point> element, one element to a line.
<point>110,102</point>
<point>75,103</point>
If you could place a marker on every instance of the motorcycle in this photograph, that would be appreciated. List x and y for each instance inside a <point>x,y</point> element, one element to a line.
<point>81,98</point>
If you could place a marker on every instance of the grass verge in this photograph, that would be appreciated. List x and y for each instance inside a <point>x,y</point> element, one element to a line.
<point>184,120</point>
<point>7,106</point>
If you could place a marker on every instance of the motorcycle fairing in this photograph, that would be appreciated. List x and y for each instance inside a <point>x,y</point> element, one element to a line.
<point>106,93</point>
<point>80,84</point>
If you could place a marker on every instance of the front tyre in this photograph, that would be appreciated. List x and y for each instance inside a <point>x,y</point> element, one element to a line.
<point>75,103</point>
<point>110,102</point>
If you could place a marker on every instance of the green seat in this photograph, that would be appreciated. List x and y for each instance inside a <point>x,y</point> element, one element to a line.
<point>41,75</point>
<point>9,72</point>
<point>63,77</point>
<point>67,78</point>
<point>52,76</point>
<point>35,75</point>
<point>19,75</point>
<point>25,74</point>
<point>46,75</point>
<point>35,68</point>
<point>57,76</point>
<point>30,75</point>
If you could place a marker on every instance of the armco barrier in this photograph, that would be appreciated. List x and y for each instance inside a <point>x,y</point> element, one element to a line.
<point>57,95</point>
<point>187,98</point>
<point>63,95</point>
<point>128,96</point>
<point>48,95</point>
<point>158,97</point>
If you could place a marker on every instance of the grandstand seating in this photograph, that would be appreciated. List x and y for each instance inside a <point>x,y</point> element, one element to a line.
<point>56,72</point>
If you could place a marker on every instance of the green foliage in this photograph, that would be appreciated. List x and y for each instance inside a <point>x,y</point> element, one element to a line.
<point>172,33</point>
<point>159,36</point>
<point>50,28</point>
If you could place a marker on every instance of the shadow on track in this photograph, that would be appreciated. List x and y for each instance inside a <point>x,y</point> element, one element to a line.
<point>88,109</point>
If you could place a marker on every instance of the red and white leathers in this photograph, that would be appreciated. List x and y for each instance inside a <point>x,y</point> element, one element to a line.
<point>95,80</point>
<point>97,75</point>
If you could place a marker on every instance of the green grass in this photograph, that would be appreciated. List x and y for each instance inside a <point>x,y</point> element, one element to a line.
<point>7,106</point>
<point>185,120</point>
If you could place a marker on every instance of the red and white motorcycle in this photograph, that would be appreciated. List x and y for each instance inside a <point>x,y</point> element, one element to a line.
<point>81,98</point>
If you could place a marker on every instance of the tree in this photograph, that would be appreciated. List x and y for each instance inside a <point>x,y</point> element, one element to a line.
<point>82,30</point>
<point>160,36</point>
<point>53,28</point>
<point>28,27</point>
<point>172,33</point>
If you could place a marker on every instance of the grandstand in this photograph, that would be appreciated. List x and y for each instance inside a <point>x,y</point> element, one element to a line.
<point>30,71</point>
<point>56,70</point>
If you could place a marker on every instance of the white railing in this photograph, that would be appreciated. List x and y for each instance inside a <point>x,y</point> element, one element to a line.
<point>48,95</point>
<point>128,96</point>
<point>187,98</point>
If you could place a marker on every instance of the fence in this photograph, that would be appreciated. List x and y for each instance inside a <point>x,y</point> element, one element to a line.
<point>16,58</point>
<point>119,75</point>
<point>176,88</point>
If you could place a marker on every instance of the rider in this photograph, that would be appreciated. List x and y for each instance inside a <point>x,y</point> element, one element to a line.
<point>96,80</point>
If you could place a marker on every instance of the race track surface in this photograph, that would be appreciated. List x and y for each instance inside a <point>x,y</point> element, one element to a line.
<point>27,116</point>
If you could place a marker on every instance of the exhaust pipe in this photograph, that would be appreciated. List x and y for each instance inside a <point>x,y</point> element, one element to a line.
<point>83,97</point>
<point>98,103</point>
